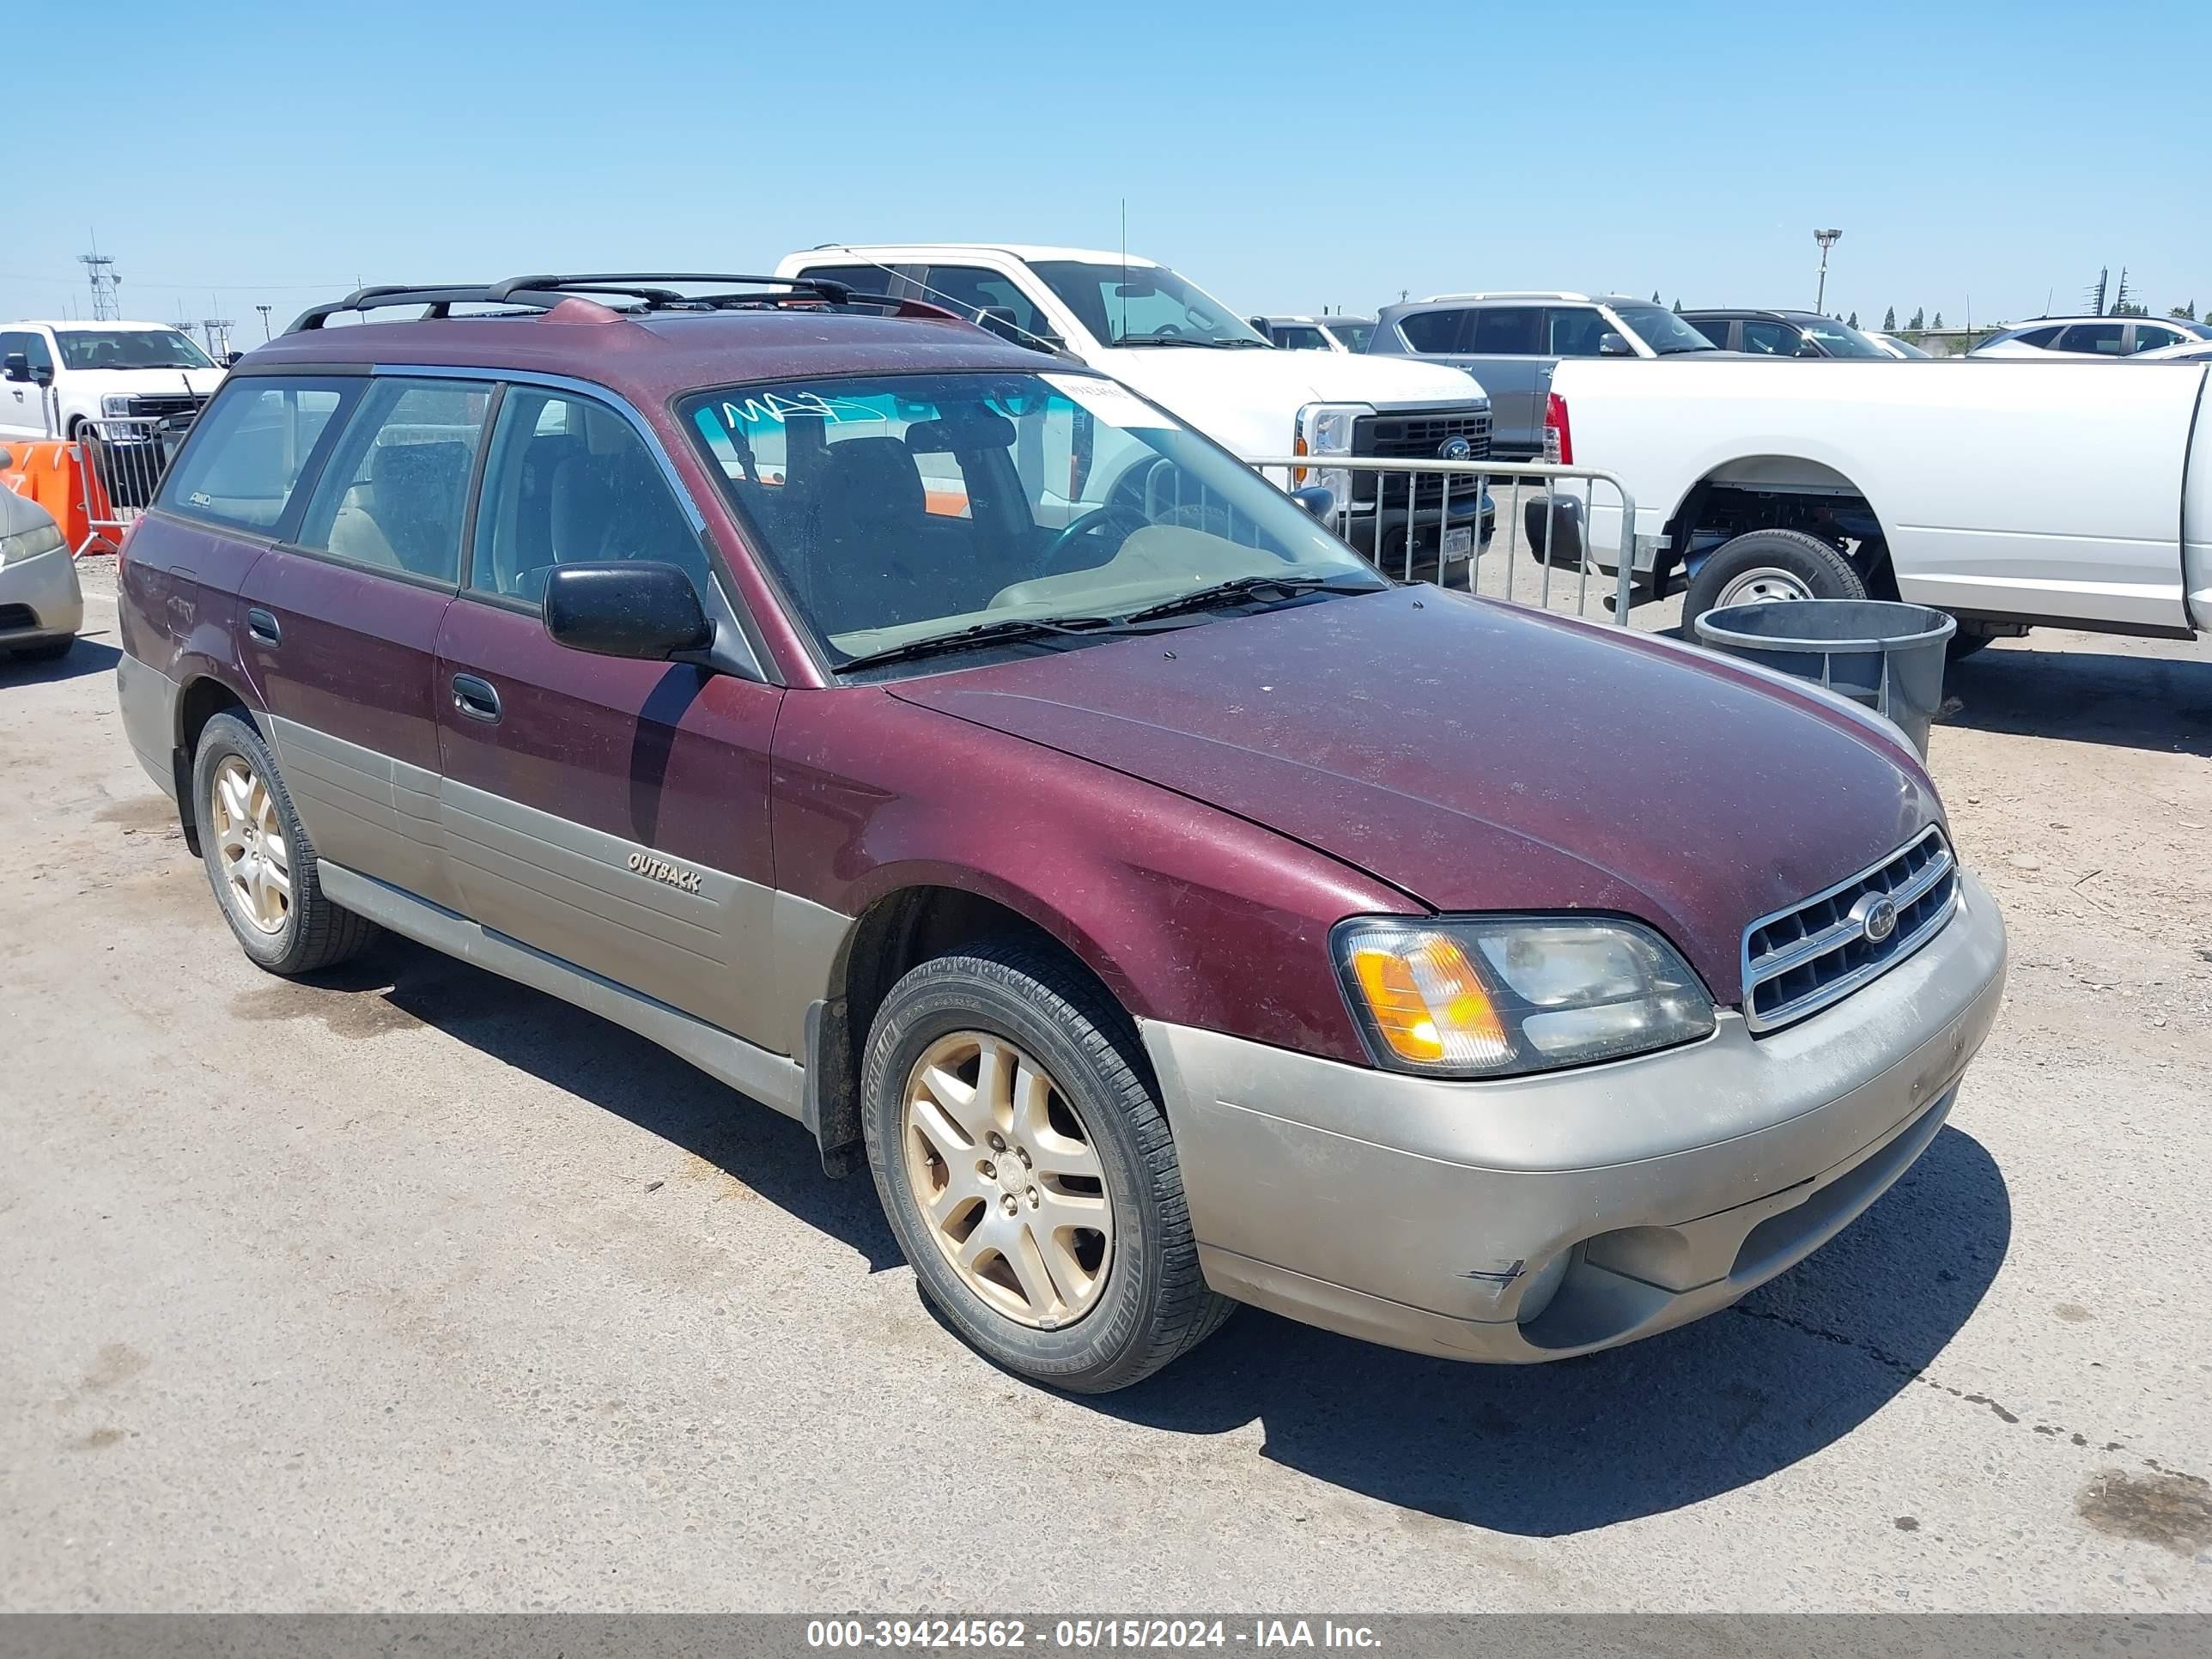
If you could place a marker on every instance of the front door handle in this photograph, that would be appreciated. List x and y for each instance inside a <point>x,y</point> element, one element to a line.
<point>261,625</point>
<point>476,698</point>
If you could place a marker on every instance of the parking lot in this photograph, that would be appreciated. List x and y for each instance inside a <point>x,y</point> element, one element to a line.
<point>414,1289</point>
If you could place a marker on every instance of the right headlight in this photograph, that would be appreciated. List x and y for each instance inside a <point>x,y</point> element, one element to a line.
<point>29,543</point>
<point>1491,996</point>
<point>1326,429</point>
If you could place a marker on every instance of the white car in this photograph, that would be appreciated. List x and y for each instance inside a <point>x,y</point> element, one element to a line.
<point>41,606</point>
<point>1159,333</point>
<point>2091,336</point>
<point>1893,346</point>
<point>2189,351</point>
<point>55,376</point>
<point>1771,479</point>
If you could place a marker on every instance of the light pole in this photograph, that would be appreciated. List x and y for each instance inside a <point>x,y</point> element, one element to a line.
<point>1827,239</point>
<point>264,310</point>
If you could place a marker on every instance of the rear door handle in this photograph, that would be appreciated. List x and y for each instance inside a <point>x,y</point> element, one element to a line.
<point>476,698</point>
<point>263,626</point>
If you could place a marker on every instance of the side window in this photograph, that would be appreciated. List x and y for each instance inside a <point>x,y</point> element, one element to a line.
<point>863,279</point>
<point>2045,338</point>
<point>970,289</point>
<point>1435,330</point>
<point>2149,337</point>
<point>251,448</point>
<point>1572,331</point>
<point>392,496</point>
<point>1769,340</point>
<point>1299,337</point>
<point>568,481</point>
<point>41,354</point>
<point>2103,339</point>
<point>1714,329</point>
<point>1506,331</point>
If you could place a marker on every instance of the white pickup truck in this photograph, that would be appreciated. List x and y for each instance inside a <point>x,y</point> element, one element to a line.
<point>1156,330</point>
<point>2010,494</point>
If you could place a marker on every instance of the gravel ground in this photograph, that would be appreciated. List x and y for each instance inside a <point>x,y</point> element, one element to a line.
<point>414,1289</point>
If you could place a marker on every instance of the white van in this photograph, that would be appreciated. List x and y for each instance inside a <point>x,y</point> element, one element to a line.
<point>55,376</point>
<point>1157,331</point>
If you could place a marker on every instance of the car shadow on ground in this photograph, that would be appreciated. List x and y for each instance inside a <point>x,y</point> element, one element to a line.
<point>2162,703</point>
<point>1546,1451</point>
<point>87,656</point>
<point>1536,1450</point>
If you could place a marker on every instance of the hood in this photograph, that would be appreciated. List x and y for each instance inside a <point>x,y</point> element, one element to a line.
<point>1483,757</point>
<point>1250,400</point>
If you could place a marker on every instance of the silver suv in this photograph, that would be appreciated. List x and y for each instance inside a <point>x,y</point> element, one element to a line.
<point>1510,341</point>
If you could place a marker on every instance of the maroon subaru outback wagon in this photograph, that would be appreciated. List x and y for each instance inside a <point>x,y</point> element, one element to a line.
<point>950,749</point>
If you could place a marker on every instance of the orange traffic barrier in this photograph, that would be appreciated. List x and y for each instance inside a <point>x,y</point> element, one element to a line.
<point>53,474</point>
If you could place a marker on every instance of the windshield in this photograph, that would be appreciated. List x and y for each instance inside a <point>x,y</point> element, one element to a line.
<point>1838,339</point>
<point>1662,330</point>
<point>130,348</point>
<point>1354,336</point>
<point>896,508</point>
<point>1143,305</point>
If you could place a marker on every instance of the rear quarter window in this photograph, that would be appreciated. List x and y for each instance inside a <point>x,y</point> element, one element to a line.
<point>1434,331</point>
<point>251,448</point>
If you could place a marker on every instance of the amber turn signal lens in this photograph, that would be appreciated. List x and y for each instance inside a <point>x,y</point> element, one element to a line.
<point>1428,1004</point>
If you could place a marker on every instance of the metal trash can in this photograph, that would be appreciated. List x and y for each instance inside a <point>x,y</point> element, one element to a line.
<point>1887,656</point>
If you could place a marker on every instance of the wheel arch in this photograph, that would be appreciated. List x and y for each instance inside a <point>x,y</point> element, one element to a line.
<point>1778,485</point>
<point>916,918</point>
<point>201,697</point>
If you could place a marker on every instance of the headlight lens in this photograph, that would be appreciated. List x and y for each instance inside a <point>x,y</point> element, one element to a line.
<point>29,543</point>
<point>1326,429</point>
<point>1492,996</point>
<point>115,406</point>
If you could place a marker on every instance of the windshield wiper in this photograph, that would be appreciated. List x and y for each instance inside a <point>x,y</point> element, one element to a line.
<point>1241,588</point>
<point>1013,628</point>
<point>1188,340</point>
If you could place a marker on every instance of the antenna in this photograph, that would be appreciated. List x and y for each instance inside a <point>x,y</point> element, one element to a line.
<point>99,271</point>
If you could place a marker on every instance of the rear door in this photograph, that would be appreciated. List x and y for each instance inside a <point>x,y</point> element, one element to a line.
<point>1504,347</point>
<point>611,813</point>
<point>339,626</point>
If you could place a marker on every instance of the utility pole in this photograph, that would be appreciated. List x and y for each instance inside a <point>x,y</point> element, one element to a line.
<point>264,310</point>
<point>218,335</point>
<point>99,271</point>
<point>1827,239</point>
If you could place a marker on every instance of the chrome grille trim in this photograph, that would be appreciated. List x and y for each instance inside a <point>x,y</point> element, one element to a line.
<point>1803,959</point>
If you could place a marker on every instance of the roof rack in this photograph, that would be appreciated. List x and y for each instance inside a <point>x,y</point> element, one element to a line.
<point>644,291</point>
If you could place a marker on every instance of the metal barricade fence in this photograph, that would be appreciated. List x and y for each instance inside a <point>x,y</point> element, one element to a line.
<point>1415,510</point>
<point>121,461</point>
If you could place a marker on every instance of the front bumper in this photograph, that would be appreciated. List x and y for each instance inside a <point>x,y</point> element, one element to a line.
<point>1379,535</point>
<point>39,599</point>
<point>1532,1218</point>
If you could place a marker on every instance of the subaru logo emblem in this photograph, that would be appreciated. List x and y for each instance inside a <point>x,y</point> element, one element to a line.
<point>1876,916</point>
<point>1454,449</point>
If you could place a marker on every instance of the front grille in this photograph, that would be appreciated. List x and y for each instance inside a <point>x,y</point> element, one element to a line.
<point>1416,437</point>
<point>166,403</point>
<point>1803,959</point>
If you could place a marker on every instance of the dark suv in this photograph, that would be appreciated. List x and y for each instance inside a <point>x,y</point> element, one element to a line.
<point>1783,334</point>
<point>952,751</point>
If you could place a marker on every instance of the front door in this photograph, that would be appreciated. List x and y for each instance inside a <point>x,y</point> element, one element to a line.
<point>339,626</point>
<point>23,402</point>
<point>610,812</point>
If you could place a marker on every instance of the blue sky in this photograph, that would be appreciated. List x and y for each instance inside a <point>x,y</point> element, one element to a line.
<point>1286,157</point>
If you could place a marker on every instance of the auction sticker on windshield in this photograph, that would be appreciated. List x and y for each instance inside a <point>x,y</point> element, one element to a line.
<point>1111,402</point>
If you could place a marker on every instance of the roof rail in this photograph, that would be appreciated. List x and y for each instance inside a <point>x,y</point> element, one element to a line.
<point>647,291</point>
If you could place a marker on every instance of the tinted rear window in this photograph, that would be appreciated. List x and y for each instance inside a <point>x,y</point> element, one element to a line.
<point>1434,331</point>
<point>249,450</point>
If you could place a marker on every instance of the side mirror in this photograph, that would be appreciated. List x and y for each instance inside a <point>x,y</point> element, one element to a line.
<point>230,359</point>
<point>642,610</point>
<point>1000,320</point>
<point>1610,345</point>
<point>16,365</point>
<point>1318,500</point>
<point>7,460</point>
<point>1807,349</point>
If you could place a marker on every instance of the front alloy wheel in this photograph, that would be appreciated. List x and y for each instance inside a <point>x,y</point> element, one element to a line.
<point>1006,1175</point>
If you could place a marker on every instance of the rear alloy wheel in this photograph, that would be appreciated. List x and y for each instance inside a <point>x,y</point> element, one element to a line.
<point>1768,566</point>
<point>259,858</point>
<point>1026,1168</point>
